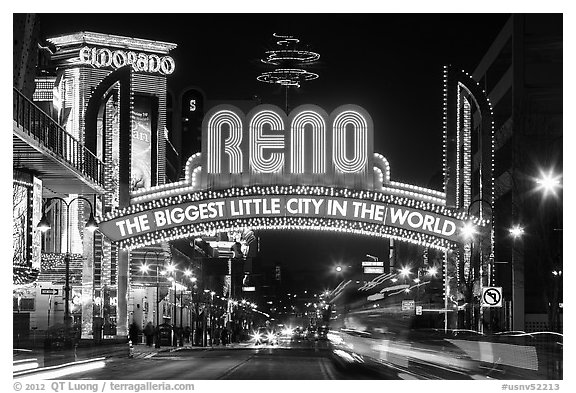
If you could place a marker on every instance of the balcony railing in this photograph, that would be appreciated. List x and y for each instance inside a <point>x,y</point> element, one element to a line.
<point>38,125</point>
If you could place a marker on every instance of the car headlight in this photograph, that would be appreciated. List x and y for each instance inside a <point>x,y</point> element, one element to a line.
<point>256,336</point>
<point>270,337</point>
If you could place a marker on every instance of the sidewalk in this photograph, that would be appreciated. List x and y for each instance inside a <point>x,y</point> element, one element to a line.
<point>42,359</point>
<point>47,358</point>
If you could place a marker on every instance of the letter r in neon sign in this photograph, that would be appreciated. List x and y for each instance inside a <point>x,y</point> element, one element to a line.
<point>231,143</point>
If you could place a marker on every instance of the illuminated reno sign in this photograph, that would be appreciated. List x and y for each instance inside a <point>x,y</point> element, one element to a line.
<point>270,170</point>
<point>308,146</point>
<point>141,62</point>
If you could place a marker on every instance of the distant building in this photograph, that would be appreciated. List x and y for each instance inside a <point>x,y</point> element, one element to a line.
<point>186,110</point>
<point>522,76</point>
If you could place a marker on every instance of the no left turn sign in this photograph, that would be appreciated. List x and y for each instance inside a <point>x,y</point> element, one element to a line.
<point>492,297</point>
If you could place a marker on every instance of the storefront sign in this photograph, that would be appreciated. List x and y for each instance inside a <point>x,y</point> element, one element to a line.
<point>408,305</point>
<point>372,263</point>
<point>373,270</point>
<point>141,62</point>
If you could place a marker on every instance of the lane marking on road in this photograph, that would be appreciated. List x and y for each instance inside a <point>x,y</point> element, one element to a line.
<point>407,376</point>
<point>236,367</point>
<point>325,369</point>
<point>400,371</point>
<point>170,358</point>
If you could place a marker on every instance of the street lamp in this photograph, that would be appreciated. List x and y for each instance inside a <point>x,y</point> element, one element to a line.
<point>144,269</point>
<point>424,272</point>
<point>173,270</point>
<point>212,293</point>
<point>405,272</point>
<point>44,225</point>
<point>432,271</point>
<point>210,310</point>
<point>469,231</point>
<point>191,305</point>
<point>173,281</point>
<point>548,182</point>
<point>516,232</point>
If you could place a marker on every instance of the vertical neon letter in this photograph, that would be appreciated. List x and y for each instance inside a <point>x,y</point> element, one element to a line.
<point>359,159</point>
<point>231,144</point>
<point>297,151</point>
<point>259,142</point>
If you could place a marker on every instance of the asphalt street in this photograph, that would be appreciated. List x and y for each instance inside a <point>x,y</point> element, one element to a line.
<point>299,361</point>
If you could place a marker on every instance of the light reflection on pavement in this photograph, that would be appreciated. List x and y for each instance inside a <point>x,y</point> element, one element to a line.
<point>303,359</point>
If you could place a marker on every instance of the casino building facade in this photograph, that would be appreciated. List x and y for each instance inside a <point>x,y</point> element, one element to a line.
<point>104,129</point>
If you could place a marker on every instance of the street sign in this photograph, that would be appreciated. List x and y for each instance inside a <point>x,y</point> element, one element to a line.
<point>373,263</point>
<point>49,291</point>
<point>492,297</point>
<point>418,310</point>
<point>373,270</point>
<point>408,305</point>
<point>248,289</point>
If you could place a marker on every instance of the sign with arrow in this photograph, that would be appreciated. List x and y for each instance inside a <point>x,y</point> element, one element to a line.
<point>492,297</point>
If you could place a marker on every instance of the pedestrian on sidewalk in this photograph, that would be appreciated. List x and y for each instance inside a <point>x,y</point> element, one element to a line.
<point>133,332</point>
<point>224,336</point>
<point>149,333</point>
<point>187,333</point>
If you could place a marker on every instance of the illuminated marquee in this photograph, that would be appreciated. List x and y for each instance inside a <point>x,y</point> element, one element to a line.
<point>279,206</point>
<point>306,170</point>
<point>140,62</point>
<point>305,147</point>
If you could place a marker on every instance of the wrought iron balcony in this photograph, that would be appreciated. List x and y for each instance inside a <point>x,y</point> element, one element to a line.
<point>42,145</point>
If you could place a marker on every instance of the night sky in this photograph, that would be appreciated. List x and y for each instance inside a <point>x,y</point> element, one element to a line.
<point>390,64</point>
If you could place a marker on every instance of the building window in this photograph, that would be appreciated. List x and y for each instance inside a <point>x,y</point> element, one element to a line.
<point>23,304</point>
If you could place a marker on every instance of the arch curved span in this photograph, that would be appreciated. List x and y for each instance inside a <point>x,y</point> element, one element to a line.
<point>370,213</point>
